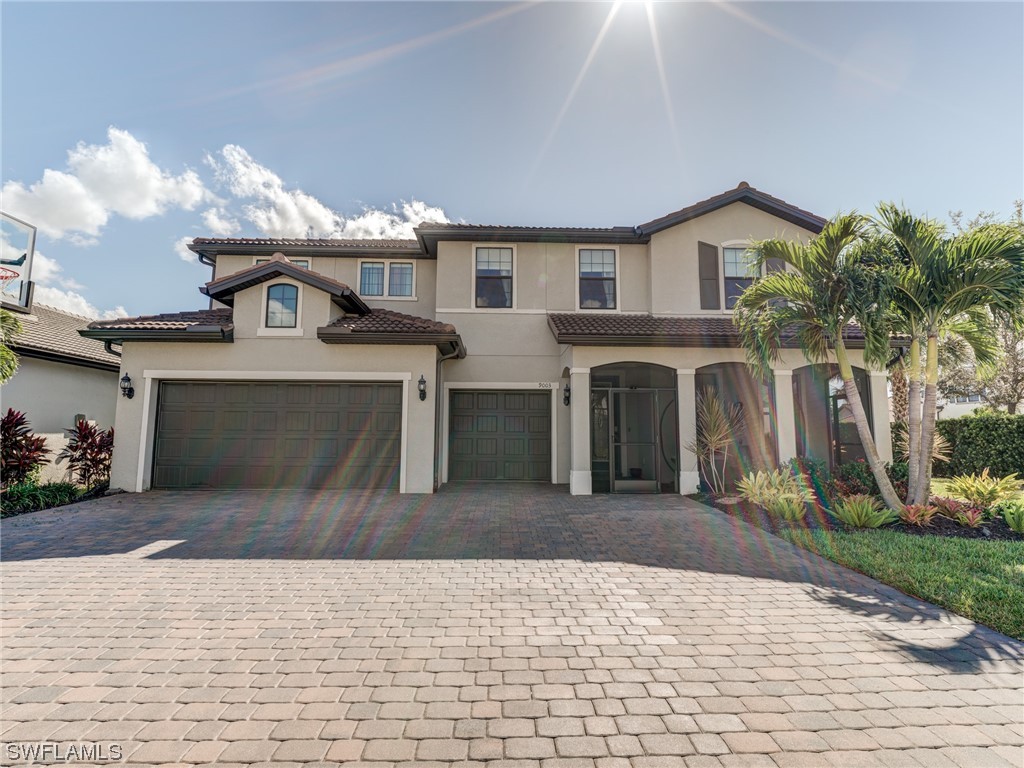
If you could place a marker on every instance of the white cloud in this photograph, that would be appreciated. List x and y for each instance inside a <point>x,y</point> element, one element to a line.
<point>181,248</point>
<point>280,212</point>
<point>219,222</point>
<point>55,289</point>
<point>114,178</point>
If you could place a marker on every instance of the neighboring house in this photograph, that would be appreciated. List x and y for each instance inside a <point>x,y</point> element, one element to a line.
<point>61,377</point>
<point>473,353</point>
<point>960,405</point>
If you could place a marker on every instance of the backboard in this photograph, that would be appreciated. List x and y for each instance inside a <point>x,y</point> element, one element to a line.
<point>17,246</point>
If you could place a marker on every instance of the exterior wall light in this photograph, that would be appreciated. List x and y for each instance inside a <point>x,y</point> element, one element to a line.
<point>421,385</point>
<point>566,394</point>
<point>127,390</point>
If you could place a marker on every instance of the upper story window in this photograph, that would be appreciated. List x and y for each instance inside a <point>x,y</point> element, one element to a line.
<point>304,263</point>
<point>282,306</point>
<point>738,272</point>
<point>395,279</point>
<point>494,278</point>
<point>597,278</point>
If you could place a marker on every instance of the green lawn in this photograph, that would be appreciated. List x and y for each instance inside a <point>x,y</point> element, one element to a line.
<point>981,580</point>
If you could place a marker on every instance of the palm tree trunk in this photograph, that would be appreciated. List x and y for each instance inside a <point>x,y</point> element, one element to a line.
<point>914,420</point>
<point>860,418</point>
<point>924,480</point>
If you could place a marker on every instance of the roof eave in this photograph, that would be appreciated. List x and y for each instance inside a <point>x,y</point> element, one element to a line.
<point>429,238</point>
<point>66,359</point>
<point>451,342</point>
<point>121,335</point>
<point>213,250</point>
<point>748,196</point>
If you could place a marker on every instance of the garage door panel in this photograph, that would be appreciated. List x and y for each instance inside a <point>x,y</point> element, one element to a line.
<point>277,434</point>
<point>499,435</point>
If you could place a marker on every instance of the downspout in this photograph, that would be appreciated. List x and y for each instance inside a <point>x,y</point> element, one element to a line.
<point>109,348</point>
<point>439,412</point>
<point>212,264</point>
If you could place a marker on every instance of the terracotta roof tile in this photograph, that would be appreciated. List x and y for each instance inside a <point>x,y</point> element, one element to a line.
<point>305,243</point>
<point>54,331</point>
<point>388,321</point>
<point>171,321</point>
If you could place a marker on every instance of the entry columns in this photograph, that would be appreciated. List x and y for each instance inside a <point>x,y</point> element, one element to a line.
<point>878,383</point>
<point>579,414</point>
<point>785,415</point>
<point>689,475</point>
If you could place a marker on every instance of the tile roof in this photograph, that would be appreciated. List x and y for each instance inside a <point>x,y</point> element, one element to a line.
<point>305,243</point>
<point>428,226</point>
<point>50,331</point>
<point>588,328</point>
<point>742,193</point>
<point>170,321</point>
<point>388,321</point>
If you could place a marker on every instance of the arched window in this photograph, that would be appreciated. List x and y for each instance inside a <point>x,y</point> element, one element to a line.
<point>282,306</point>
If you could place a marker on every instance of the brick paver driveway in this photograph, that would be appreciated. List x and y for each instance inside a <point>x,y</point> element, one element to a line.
<point>501,623</point>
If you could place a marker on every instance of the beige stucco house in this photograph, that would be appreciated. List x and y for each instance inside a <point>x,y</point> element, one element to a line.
<point>472,353</point>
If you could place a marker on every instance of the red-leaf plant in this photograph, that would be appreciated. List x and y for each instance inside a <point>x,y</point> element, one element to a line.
<point>22,451</point>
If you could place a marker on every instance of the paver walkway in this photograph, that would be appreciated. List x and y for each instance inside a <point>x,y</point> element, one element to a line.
<point>512,623</point>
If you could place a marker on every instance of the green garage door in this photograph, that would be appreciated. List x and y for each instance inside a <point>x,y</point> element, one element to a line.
<point>499,435</point>
<point>275,434</point>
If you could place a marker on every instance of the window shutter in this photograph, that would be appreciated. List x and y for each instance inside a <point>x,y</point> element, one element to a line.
<point>775,265</point>
<point>707,262</point>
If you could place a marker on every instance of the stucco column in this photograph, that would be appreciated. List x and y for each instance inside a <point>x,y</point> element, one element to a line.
<point>785,415</point>
<point>878,383</point>
<point>580,483</point>
<point>689,476</point>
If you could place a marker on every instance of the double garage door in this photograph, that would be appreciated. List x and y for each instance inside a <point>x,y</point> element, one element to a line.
<point>277,435</point>
<point>500,435</point>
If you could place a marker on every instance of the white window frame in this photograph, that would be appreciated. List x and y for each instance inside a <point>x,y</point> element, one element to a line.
<point>263,329</point>
<point>618,279</point>
<point>264,259</point>
<point>472,278</point>
<point>745,244</point>
<point>386,296</point>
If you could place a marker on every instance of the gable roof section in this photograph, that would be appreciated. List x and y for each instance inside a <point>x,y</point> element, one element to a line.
<point>384,326</point>
<point>743,193</point>
<point>50,334</point>
<point>248,246</point>
<point>429,234</point>
<point>195,325</point>
<point>610,330</point>
<point>224,290</point>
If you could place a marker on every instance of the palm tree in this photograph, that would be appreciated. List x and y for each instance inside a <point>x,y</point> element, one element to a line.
<point>10,327</point>
<point>833,283</point>
<point>946,286</point>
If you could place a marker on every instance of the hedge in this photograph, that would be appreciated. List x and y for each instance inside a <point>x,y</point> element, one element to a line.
<point>989,440</point>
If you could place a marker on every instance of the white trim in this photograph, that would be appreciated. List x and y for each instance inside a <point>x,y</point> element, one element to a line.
<point>617,310</point>
<point>686,371</point>
<point>149,404</point>
<point>871,372</point>
<point>515,278</point>
<point>579,371</point>
<point>782,372</point>
<point>386,296</point>
<point>265,330</point>
<point>581,482</point>
<point>518,386</point>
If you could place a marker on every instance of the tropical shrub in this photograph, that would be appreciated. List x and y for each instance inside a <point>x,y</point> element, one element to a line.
<point>88,453</point>
<point>983,490</point>
<point>718,426</point>
<point>918,514</point>
<point>971,517</point>
<point>813,475</point>
<point>1012,511</point>
<point>862,510</point>
<point>949,507</point>
<point>22,451</point>
<point>853,479</point>
<point>993,439</point>
<point>778,492</point>
<point>29,497</point>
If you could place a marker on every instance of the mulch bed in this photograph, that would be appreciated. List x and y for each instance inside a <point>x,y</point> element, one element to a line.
<point>818,519</point>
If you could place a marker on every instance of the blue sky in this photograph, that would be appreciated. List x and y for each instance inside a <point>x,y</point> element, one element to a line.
<point>129,127</point>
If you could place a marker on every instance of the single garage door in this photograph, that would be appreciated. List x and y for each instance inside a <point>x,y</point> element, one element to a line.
<point>500,435</point>
<point>276,434</point>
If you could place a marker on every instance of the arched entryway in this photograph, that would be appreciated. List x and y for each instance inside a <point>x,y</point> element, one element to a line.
<point>825,429</point>
<point>634,428</point>
<point>755,445</point>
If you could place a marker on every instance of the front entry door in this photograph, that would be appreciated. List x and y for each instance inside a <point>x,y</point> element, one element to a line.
<point>635,466</point>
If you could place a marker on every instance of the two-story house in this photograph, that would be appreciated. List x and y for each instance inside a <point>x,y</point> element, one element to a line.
<point>473,353</point>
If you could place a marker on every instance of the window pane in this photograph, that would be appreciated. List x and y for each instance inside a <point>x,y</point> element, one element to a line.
<point>494,277</point>
<point>597,293</point>
<point>282,303</point>
<point>734,286</point>
<point>737,262</point>
<point>371,279</point>
<point>400,280</point>
<point>597,263</point>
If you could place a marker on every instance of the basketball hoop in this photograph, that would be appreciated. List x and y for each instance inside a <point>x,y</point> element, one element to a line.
<point>6,276</point>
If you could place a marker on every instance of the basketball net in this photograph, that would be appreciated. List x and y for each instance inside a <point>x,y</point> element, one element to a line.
<point>7,276</point>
